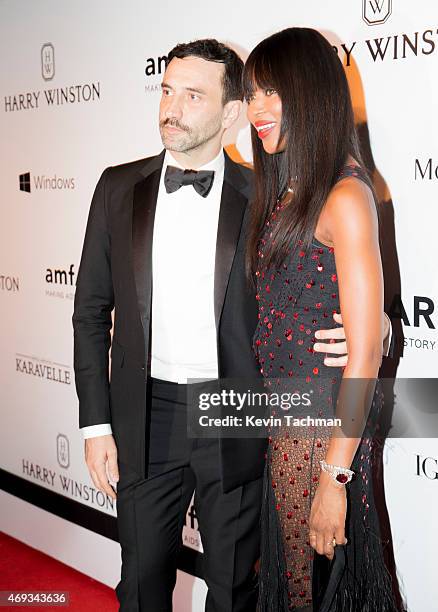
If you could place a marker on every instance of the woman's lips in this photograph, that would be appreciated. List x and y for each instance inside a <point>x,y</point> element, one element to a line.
<point>264,128</point>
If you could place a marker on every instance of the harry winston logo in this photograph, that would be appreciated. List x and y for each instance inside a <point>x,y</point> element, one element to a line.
<point>375,12</point>
<point>63,450</point>
<point>48,61</point>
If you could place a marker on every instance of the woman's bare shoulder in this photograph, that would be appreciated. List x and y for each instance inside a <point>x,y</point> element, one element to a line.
<point>350,208</point>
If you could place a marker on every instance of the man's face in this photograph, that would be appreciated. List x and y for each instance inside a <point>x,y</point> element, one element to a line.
<point>191,109</point>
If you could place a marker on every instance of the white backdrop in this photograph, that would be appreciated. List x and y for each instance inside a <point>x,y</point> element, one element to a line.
<point>80,91</point>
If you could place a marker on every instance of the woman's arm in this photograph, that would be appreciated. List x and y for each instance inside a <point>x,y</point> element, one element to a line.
<point>350,219</point>
<point>352,222</point>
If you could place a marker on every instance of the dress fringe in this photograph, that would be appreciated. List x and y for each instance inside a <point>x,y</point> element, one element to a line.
<point>273,586</point>
<point>373,594</point>
<point>368,589</point>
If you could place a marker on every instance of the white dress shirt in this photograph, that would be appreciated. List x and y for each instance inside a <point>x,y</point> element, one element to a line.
<point>183,341</point>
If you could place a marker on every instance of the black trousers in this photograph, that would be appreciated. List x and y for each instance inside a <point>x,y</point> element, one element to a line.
<point>151,514</point>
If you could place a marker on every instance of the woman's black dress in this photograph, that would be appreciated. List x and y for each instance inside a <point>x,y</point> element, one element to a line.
<point>294,302</point>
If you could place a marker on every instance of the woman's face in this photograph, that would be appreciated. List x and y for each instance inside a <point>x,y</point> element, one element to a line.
<point>264,113</point>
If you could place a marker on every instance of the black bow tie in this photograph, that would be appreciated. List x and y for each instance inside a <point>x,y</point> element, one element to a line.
<point>202,180</point>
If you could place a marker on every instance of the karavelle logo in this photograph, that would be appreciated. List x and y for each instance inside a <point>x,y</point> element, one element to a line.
<point>25,182</point>
<point>375,12</point>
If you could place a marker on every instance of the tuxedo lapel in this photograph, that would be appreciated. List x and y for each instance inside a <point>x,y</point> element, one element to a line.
<point>232,208</point>
<point>143,214</point>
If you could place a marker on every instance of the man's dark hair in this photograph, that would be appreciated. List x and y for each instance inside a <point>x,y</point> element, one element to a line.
<point>212,50</point>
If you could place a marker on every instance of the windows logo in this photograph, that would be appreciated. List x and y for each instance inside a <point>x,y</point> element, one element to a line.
<point>25,182</point>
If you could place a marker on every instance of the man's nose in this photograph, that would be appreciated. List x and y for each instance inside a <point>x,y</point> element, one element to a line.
<point>173,108</point>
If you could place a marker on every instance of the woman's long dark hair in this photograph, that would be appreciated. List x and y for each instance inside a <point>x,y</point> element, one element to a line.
<point>317,127</point>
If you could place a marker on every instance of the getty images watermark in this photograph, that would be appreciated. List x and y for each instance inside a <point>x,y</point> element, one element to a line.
<point>254,408</point>
<point>236,408</point>
<point>261,401</point>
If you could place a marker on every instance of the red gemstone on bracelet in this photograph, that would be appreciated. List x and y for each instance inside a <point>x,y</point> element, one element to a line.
<point>342,478</point>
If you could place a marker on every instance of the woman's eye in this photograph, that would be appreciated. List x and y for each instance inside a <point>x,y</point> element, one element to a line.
<point>250,98</point>
<point>270,91</point>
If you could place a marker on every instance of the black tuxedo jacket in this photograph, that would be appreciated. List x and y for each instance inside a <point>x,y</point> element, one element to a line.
<point>116,272</point>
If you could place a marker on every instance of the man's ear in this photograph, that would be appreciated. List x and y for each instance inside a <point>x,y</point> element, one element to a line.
<point>232,110</point>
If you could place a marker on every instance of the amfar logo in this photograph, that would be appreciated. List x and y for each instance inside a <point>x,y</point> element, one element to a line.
<point>41,181</point>
<point>63,450</point>
<point>375,12</point>
<point>154,66</point>
<point>60,283</point>
<point>421,315</point>
<point>191,536</point>
<point>422,310</point>
<point>59,277</point>
<point>48,61</point>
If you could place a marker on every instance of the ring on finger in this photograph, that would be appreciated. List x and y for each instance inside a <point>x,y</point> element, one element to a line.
<point>332,543</point>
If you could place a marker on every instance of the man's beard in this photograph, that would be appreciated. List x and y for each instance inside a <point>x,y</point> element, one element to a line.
<point>190,139</point>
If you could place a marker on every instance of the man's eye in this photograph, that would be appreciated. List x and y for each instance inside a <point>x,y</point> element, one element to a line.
<point>194,97</point>
<point>270,91</point>
<point>165,92</point>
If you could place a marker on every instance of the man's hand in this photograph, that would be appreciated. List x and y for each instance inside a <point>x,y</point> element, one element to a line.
<point>101,460</point>
<point>336,343</point>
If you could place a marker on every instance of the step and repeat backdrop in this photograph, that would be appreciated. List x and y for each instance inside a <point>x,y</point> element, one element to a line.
<point>79,91</point>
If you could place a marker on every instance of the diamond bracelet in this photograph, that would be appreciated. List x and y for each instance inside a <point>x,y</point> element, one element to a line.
<point>340,474</point>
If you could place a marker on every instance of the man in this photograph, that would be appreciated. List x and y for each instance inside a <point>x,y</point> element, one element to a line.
<point>165,247</point>
<point>182,310</point>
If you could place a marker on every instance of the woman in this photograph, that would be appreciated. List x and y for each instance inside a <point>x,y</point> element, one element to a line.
<point>314,249</point>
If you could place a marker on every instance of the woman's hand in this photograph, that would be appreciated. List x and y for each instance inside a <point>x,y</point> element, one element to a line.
<point>327,516</point>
